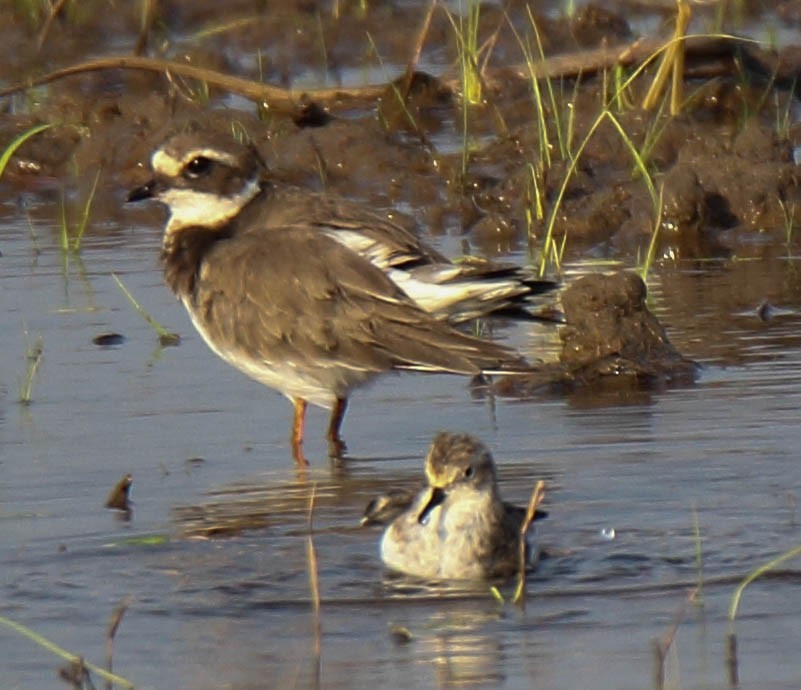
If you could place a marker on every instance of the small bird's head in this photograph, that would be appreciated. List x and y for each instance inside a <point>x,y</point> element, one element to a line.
<point>204,184</point>
<point>459,459</point>
<point>460,466</point>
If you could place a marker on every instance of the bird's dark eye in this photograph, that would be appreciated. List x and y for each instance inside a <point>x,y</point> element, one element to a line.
<point>468,472</point>
<point>198,167</point>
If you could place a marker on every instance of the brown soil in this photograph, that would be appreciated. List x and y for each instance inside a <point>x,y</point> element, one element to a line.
<point>724,164</point>
<point>611,340</point>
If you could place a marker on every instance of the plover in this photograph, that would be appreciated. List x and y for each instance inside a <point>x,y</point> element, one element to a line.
<point>289,295</point>
<point>457,527</point>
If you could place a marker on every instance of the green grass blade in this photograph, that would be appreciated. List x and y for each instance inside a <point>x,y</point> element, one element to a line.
<point>650,257</point>
<point>754,574</point>
<point>87,207</point>
<point>555,109</point>
<point>548,241</point>
<point>637,157</point>
<point>11,149</point>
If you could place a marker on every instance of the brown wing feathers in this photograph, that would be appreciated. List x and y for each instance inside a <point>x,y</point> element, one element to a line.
<point>296,294</point>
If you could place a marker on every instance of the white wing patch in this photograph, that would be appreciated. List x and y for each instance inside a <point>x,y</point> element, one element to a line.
<point>440,289</point>
<point>375,252</point>
<point>437,296</point>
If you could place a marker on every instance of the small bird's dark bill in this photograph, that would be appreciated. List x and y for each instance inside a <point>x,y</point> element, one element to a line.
<point>437,497</point>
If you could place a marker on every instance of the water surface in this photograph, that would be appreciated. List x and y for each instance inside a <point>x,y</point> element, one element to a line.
<point>235,611</point>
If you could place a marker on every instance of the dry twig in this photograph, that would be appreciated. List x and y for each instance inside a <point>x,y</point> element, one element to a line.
<point>536,499</point>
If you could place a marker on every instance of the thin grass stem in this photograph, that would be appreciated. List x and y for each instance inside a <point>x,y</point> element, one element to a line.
<point>650,256</point>
<point>33,358</point>
<point>165,336</point>
<point>63,653</point>
<point>111,632</point>
<point>87,207</point>
<point>560,140</point>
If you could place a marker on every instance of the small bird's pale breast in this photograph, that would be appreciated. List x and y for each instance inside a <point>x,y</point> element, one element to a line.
<point>464,538</point>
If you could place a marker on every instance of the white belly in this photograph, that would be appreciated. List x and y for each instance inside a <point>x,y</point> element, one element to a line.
<point>320,384</point>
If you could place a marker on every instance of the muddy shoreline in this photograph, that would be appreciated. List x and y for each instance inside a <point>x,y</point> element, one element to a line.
<point>507,173</point>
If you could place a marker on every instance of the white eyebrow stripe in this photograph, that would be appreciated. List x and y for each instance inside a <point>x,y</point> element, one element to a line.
<point>213,154</point>
<point>165,164</point>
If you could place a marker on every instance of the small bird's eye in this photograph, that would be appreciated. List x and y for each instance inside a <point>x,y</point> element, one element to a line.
<point>468,472</point>
<point>198,166</point>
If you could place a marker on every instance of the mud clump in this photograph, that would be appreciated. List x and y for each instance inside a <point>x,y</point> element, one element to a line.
<point>611,332</point>
<point>611,338</point>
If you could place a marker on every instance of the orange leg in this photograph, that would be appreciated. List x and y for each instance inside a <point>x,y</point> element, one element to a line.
<point>336,446</point>
<point>297,432</point>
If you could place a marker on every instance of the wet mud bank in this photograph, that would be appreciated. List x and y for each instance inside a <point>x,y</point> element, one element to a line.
<point>562,167</point>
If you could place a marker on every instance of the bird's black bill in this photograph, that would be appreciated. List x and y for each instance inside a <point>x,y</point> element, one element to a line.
<point>146,191</point>
<point>437,497</point>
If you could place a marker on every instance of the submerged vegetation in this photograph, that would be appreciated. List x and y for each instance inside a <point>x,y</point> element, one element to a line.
<point>33,359</point>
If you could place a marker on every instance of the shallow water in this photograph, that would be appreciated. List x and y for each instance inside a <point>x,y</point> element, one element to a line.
<point>200,439</point>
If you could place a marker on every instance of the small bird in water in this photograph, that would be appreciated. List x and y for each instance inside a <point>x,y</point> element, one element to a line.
<point>298,290</point>
<point>457,527</point>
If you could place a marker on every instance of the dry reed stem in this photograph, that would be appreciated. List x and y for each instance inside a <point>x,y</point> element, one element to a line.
<point>314,586</point>
<point>113,625</point>
<point>677,86</point>
<point>55,10</point>
<point>537,497</point>
<point>672,64</point>
<point>418,49</point>
<point>732,667</point>
<point>274,96</point>
<point>663,644</point>
<point>149,13</point>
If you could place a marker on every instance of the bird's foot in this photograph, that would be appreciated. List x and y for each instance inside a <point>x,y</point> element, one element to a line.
<point>336,448</point>
<point>298,455</point>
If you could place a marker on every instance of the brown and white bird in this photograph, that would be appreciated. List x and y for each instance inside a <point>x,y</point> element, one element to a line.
<point>456,527</point>
<point>302,291</point>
